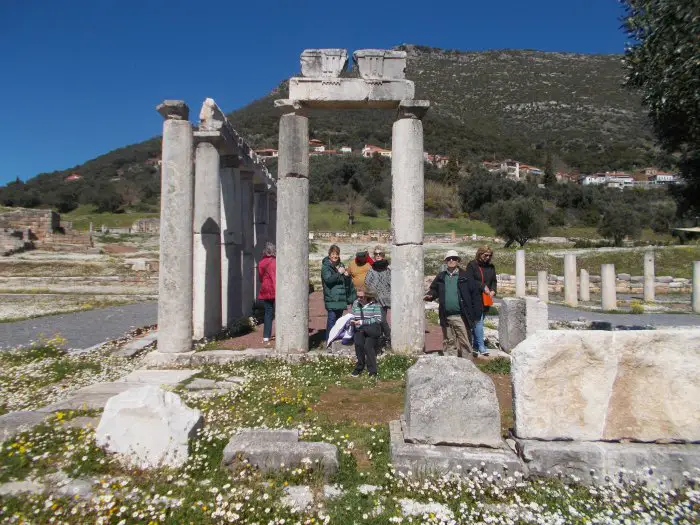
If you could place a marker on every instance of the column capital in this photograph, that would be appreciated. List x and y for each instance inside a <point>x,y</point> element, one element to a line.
<point>210,136</point>
<point>287,106</point>
<point>173,110</point>
<point>415,109</point>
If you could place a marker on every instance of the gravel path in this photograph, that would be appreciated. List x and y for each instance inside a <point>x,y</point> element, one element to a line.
<point>81,329</point>
<point>85,329</point>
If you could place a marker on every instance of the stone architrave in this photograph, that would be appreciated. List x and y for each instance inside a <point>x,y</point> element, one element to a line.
<point>585,285</point>
<point>248,256</point>
<point>292,300</point>
<point>542,286</point>
<point>231,243</point>
<point>407,165</point>
<point>600,385</point>
<point>649,276</point>
<point>520,283</point>
<point>148,427</point>
<point>206,315</point>
<point>449,401</point>
<point>570,288</point>
<point>176,212</point>
<point>608,291</point>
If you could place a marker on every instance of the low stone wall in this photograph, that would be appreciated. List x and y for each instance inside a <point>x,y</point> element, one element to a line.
<point>13,241</point>
<point>382,236</point>
<point>40,222</point>
<point>69,240</point>
<point>146,226</point>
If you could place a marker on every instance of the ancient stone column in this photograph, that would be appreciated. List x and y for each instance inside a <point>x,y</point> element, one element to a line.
<point>649,277</point>
<point>542,286</point>
<point>292,295</point>
<point>176,203</point>
<point>607,287</point>
<point>696,287</point>
<point>272,217</point>
<point>585,285</point>
<point>520,283</point>
<point>248,246</point>
<point>408,311</point>
<point>206,312</point>
<point>231,242</point>
<point>570,288</point>
<point>260,218</point>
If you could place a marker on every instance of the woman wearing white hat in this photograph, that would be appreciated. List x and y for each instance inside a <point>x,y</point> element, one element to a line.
<point>457,295</point>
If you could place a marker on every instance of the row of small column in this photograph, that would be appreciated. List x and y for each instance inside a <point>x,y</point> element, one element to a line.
<point>573,290</point>
<point>292,300</point>
<point>211,234</point>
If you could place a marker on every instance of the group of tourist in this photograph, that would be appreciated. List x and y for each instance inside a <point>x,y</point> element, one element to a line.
<point>463,295</point>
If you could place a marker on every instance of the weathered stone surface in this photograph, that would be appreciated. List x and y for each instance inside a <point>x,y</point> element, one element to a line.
<point>443,459</point>
<point>410,507</point>
<point>407,167</point>
<point>13,423</point>
<point>624,277</point>
<point>274,435</point>
<point>14,488</point>
<point>512,322</point>
<point>592,462</point>
<point>350,92</point>
<point>520,283</point>
<point>148,427</point>
<point>323,63</point>
<point>408,329</point>
<point>536,316</point>
<point>134,347</point>
<point>297,497</point>
<point>592,385</point>
<point>449,401</point>
<point>379,64</point>
<point>570,288</point>
<point>92,397</point>
<point>159,377</point>
<point>332,492</point>
<point>173,109</point>
<point>366,489</point>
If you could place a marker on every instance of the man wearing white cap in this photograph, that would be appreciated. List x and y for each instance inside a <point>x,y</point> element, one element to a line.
<point>457,293</point>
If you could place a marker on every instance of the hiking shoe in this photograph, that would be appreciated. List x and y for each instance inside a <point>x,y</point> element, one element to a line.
<point>355,373</point>
<point>484,353</point>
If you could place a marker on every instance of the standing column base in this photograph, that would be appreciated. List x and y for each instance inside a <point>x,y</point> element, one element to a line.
<point>407,306</point>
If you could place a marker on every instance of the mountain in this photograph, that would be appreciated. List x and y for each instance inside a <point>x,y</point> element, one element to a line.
<point>484,105</point>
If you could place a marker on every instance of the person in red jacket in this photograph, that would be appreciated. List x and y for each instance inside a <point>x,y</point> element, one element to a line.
<point>267,268</point>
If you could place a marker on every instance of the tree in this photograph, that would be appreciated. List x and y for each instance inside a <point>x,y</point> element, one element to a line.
<point>619,222</point>
<point>550,178</point>
<point>662,218</point>
<point>519,219</point>
<point>663,64</point>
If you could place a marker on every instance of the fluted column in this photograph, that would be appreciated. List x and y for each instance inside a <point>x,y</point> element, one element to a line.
<point>176,208</point>
<point>231,242</point>
<point>292,295</point>
<point>408,311</point>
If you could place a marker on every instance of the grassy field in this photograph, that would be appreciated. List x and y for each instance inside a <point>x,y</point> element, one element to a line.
<point>82,216</point>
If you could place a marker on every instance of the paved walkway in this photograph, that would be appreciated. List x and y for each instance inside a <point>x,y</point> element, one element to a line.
<point>85,329</point>
<point>81,329</point>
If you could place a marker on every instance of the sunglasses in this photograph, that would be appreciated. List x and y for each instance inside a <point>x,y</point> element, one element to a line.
<point>379,253</point>
<point>452,259</point>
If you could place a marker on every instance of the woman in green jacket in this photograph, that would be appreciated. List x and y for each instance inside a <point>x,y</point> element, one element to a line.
<point>338,291</point>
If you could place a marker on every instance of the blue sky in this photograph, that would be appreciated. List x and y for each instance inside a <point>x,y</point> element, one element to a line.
<point>79,78</point>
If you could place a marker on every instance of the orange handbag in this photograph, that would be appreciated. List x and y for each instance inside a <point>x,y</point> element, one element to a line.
<point>485,297</point>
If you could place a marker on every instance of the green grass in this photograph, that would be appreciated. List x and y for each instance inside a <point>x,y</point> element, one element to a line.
<point>591,233</point>
<point>82,216</point>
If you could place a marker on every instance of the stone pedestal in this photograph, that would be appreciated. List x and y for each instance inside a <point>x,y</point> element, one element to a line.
<point>570,288</point>
<point>248,258</point>
<point>292,301</point>
<point>585,285</point>
<point>408,334</point>
<point>542,286</point>
<point>607,287</point>
<point>176,208</point>
<point>520,284</point>
<point>696,287</point>
<point>206,312</point>
<point>649,277</point>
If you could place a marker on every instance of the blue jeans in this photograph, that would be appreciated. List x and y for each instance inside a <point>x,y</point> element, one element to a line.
<point>478,332</point>
<point>333,316</point>
<point>269,305</point>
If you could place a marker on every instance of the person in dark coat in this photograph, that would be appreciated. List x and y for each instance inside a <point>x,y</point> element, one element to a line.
<point>338,290</point>
<point>457,296</point>
<point>483,272</point>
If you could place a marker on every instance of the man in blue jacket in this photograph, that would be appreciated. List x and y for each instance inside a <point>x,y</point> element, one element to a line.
<point>457,294</point>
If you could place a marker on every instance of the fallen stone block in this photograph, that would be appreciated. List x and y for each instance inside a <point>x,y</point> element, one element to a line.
<point>15,488</point>
<point>159,377</point>
<point>148,427</point>
<point>137,345</point>
<point>595,462</point>
<point>428,459</point>
<point>297,497</point>
<point>449,401</point>
<point>332,492</point>
<point>519,318</point>
<point>640,385</point>
<point>92,397</point>
<point>270,450</point>
<point>13,423</point>
<point>410,507</point>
